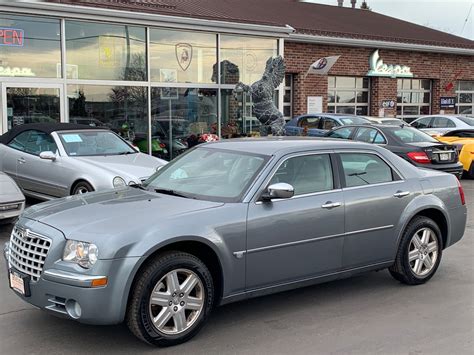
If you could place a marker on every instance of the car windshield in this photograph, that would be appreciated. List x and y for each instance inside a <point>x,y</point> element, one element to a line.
<point>354,120</point>
<point>466,120</point>
<point>412,135</point>
<point>91,143</point>
<point>208,174</point>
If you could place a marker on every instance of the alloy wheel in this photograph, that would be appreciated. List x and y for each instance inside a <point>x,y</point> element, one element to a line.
<point>176,301</point>
<point>423,251</point>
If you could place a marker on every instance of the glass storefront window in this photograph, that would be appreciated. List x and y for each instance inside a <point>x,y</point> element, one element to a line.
<point>413,97</point>
<point>105,51</point>
<point>465,95</point>
<point>120,108</point>
<point>32,105</point>
<point>183,57</point>
<point>30,47</point>
<point>244,58</point>
<point>349,95</point>
<point>180,117</point>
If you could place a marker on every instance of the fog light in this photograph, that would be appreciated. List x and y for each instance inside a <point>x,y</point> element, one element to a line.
<point>73,309</point>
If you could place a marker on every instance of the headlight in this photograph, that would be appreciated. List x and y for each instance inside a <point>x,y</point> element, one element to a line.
<point>82,253</point>
<point>119,182</point>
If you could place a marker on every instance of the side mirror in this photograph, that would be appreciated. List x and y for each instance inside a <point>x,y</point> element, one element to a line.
<point>48,155</point>
<point>279,190</point>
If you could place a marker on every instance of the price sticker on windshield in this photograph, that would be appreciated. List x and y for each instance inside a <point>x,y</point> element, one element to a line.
<point>72,138</point>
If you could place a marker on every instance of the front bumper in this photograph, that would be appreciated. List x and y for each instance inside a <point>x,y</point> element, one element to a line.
<point>13,212</point>
<point>59,291</point>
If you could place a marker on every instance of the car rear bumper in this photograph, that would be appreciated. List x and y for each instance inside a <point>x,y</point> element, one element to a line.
<point>452,168</point>
<point>70,295</point>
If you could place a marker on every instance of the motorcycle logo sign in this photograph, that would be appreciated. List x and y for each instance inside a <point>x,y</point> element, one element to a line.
<point>184,55</point>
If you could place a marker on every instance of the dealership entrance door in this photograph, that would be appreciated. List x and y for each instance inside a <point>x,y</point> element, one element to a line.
<point>26,103</point>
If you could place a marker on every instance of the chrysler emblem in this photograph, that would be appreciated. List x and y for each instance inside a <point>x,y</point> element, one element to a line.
<point>23,233</point>
<point>184,55</point>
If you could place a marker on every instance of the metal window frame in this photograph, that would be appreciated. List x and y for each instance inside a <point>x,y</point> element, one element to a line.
<point>355,104</point>
<point>458,93</point>
<point>419,104</point>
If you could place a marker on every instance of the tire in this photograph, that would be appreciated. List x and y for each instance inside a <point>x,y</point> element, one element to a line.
<point>157,276</point>
<point>425,252</point>
<point>82,187</point>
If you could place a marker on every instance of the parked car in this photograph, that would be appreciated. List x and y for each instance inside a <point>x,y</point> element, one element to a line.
<point>414,146</point>
<point>49,160</point>
<point>231,220</point>
<point>463,139</point>
<point>439,124</point>
<point>318,124</point>
<point>386,120</point>
<point>12,201</point>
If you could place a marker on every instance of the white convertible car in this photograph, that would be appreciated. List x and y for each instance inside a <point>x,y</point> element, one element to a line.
<point>12,201</point>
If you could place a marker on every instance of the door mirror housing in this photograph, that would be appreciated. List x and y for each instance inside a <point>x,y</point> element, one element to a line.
<point>48,155</point>
<point>279,190</point>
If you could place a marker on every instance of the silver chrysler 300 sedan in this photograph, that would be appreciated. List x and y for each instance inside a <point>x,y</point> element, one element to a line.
<point>232,220</point>
<point>50,160</point>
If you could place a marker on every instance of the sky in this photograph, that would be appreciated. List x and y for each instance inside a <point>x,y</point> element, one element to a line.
<point>444,15</point>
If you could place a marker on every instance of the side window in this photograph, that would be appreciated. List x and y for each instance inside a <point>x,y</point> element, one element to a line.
<point>369,135</point>
<point>422,123</point>
<point>307,174</point>
<point>20,141</point>
<point>365,169</point>
<point>328,124</point>
<point>309,122</point>
<point>342,133</point>
<point>40,142</point>
<point>442,122</point>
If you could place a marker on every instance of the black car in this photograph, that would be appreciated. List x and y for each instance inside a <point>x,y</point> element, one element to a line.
<point>413,145</point>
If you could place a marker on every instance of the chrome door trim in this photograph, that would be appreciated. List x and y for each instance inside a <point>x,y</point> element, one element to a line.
<point>240,253</point>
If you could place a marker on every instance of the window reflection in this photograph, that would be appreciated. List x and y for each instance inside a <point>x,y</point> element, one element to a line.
<point>183,117</point>
<point>32,47</point>
<point>244,58</point>
<point>120,108</point>
<point>104,51</point>
<point>183,57</point>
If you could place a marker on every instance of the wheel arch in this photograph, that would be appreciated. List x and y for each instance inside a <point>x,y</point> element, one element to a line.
<point>78,180</point>
<point>197,246</point>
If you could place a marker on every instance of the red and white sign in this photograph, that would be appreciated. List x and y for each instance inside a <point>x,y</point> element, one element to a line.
<point>12,37</point>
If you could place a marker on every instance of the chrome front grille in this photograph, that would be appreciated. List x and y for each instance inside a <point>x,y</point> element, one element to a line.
<point>28,252</point>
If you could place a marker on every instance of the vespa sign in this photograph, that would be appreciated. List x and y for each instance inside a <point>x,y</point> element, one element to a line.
<point>379,68</point>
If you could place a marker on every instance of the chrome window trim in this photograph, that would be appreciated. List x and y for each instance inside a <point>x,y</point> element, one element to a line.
<point>280,163</point>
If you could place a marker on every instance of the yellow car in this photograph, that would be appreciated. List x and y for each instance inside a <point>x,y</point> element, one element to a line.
<point>464,140</point>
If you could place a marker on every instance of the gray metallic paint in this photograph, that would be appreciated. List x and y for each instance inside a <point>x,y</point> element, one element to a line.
<point>262,247</point>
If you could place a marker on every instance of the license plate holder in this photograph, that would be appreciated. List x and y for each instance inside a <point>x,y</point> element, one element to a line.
<point>19,282</point>
<point>444,156</point>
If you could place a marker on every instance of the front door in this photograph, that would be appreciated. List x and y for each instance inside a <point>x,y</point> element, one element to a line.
<point>26,103</point>
<point>300,237</point>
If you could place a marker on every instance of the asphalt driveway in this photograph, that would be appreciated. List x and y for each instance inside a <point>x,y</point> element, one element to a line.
<point>367,314</point>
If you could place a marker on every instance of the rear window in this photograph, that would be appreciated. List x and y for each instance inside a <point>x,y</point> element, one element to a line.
<point>411,135</point>
<point>354,120</point>
<point>466,120</point>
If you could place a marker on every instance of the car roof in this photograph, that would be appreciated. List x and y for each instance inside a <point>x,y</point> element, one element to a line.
<point>282,145</point>
<point>43,127</point>
<point>331,115</point>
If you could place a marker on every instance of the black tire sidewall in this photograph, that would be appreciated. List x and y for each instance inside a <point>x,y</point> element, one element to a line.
<point>413,227</point>
<point>165,265</point>
<point>82,184</point>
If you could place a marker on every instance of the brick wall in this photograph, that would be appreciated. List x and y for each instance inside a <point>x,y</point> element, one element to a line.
<point>442,69</point>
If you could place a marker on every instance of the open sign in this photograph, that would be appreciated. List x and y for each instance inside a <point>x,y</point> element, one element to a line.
<point>11,37</point>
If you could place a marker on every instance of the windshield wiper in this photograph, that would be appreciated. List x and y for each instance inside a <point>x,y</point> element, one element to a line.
<point>359,176</point>
<point>172,193</point>
<point>126,153</point>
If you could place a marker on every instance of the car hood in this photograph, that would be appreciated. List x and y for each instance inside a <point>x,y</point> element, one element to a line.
<point>137,165</point>
<point>9,191</point>
<point>112,212</point>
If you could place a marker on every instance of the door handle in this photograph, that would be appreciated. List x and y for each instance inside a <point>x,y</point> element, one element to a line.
<point>401,194</point>
<point>21,160</point>
<point>329,205</point>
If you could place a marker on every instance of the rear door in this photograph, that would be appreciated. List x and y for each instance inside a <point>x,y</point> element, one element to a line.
<point>375,196</point>
<point>300,237</point>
